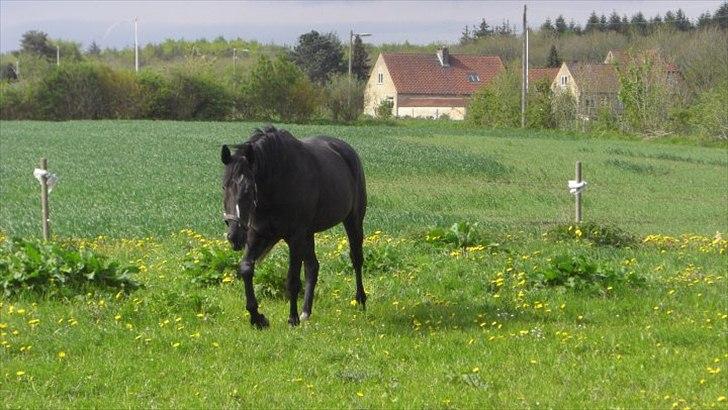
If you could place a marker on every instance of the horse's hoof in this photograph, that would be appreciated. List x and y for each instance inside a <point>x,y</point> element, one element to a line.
<point>259,321</point>
<point>305,316</point>
<point>293,321</point>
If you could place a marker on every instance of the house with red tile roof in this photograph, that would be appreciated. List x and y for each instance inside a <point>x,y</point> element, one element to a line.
<point>538,74</point>
<point>428,85</point>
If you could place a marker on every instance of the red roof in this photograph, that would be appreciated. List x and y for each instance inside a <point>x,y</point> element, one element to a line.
<point>423,74</point>
<point>535,74</point>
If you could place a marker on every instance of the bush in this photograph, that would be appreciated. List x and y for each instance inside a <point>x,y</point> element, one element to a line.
<point>16,101</point>
<point>538,111</point>
<point>709,115</point>
<point>87,91</point>
<point>384,110</point>
<point>498,104</point>
<point>38,266</point>
<point>344,98</point>
<point>195,95</point>
<point>278,90</point>
<point>564,111</point>
<point>156,95</point>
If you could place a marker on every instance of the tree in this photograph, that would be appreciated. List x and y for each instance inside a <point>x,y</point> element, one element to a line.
<point>615,22</point>
<point>359,60</point>
<point>504,29</point>
<point>720,17</point>
<point>553,59</point>
<point>603,23</point>
<point>466,36</point>
<point>483,30</point>
<point>639,23</point>
<point>547,27</point>
<point>682,23</point>
<point>37,42</point>
<point>593,23</point>
<point>93,49</point>
<point>560,25</point>
<point>319,56</point>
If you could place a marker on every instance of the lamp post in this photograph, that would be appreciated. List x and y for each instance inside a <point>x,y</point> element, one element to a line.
<point>136,45</point>
<point>351,51</point>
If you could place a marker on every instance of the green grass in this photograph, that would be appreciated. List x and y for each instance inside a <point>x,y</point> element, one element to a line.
<point>438,332</point>
<point>145,178</point>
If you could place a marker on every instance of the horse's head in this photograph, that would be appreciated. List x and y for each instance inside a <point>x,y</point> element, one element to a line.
<point>240,193</point>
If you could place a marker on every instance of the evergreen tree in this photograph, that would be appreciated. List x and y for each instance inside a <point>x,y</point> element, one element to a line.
<point>704,20</point>
<point>639,23</point>
<point>547,27</point>
<point>553,59</point>
<point>720,17</point>
<point>614,22</point>
<point>359,60</point>
<point>560,25</point>
<point>483,30</point>
<point>682,23</point>
<point>466,37</point>
<point>593,23</point>
<point>603,23</point>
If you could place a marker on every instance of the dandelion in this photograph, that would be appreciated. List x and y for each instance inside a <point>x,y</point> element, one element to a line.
<point>476,369</point>
<point>360,394</point>
<point>353,302</point>
<point>61,355</point>
<point>19,373</point>
<point>176,344</point>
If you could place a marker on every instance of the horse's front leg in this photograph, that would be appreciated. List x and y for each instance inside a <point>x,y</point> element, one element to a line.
<point>256,247</point>
<point>293,283</point>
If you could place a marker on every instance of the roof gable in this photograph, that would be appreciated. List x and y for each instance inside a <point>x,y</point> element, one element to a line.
<point>423,73</point>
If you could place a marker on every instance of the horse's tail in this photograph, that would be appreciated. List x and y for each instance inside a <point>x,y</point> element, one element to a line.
<point>357,170</point>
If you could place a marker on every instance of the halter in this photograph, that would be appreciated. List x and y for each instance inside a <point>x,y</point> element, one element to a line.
<point>236,218</point>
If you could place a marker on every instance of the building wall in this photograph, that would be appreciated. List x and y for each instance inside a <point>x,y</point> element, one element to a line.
<point>375,93</point>
<point>570,86</point>
<point>455,113</point>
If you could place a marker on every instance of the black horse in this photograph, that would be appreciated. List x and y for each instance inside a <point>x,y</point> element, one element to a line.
<point>278,187</point>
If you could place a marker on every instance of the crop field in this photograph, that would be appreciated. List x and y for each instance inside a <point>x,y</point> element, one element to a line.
<point>481,291</point>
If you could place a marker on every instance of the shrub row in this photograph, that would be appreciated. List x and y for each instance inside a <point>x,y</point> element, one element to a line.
<point>274,90</point>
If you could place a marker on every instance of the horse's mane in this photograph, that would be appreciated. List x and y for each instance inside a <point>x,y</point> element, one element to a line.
<point>270,148</point>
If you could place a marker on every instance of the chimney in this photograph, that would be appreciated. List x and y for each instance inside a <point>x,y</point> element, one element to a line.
<point>444,56</point>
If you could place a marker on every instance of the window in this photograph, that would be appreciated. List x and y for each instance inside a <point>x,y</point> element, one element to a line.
<point>473,78</point>
<point>564,80</point>
<point>380,78</point>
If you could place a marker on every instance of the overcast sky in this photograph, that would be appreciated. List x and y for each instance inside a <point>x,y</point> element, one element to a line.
<point>109,23</point>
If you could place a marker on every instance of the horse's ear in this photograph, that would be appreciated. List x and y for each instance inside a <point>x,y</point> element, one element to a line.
<point>225,155</point>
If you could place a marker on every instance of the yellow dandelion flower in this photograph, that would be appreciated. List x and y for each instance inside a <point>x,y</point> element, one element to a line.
<point>61,355</point>
<point>476,369</point>
<point>19,373</point>
<point>353,302</point>
<point>360,394</point>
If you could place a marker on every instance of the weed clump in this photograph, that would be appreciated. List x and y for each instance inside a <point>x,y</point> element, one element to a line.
<point>597,234</point>
<point>45,267</point>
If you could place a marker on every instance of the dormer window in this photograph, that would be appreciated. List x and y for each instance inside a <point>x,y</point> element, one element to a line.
<point>473,78</point>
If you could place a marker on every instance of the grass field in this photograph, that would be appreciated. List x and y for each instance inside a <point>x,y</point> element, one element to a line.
<point>445,326</point>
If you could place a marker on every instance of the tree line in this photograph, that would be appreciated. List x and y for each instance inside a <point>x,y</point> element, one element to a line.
<point>308,81</point>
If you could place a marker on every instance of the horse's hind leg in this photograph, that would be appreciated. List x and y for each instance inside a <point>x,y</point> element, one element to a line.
<point>311,267</point>
<point>293,283</point>
<point>355,232</point>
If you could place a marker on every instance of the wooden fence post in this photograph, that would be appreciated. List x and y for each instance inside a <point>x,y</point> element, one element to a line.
<point>44,200</point>
<point>577,217</point>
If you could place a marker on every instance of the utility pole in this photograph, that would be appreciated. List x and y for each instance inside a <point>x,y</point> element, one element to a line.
<point>235,60</point>
<point>524,64</point>
<point>351,51</point>
<point>136,45</point>
<point>58,55</point>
